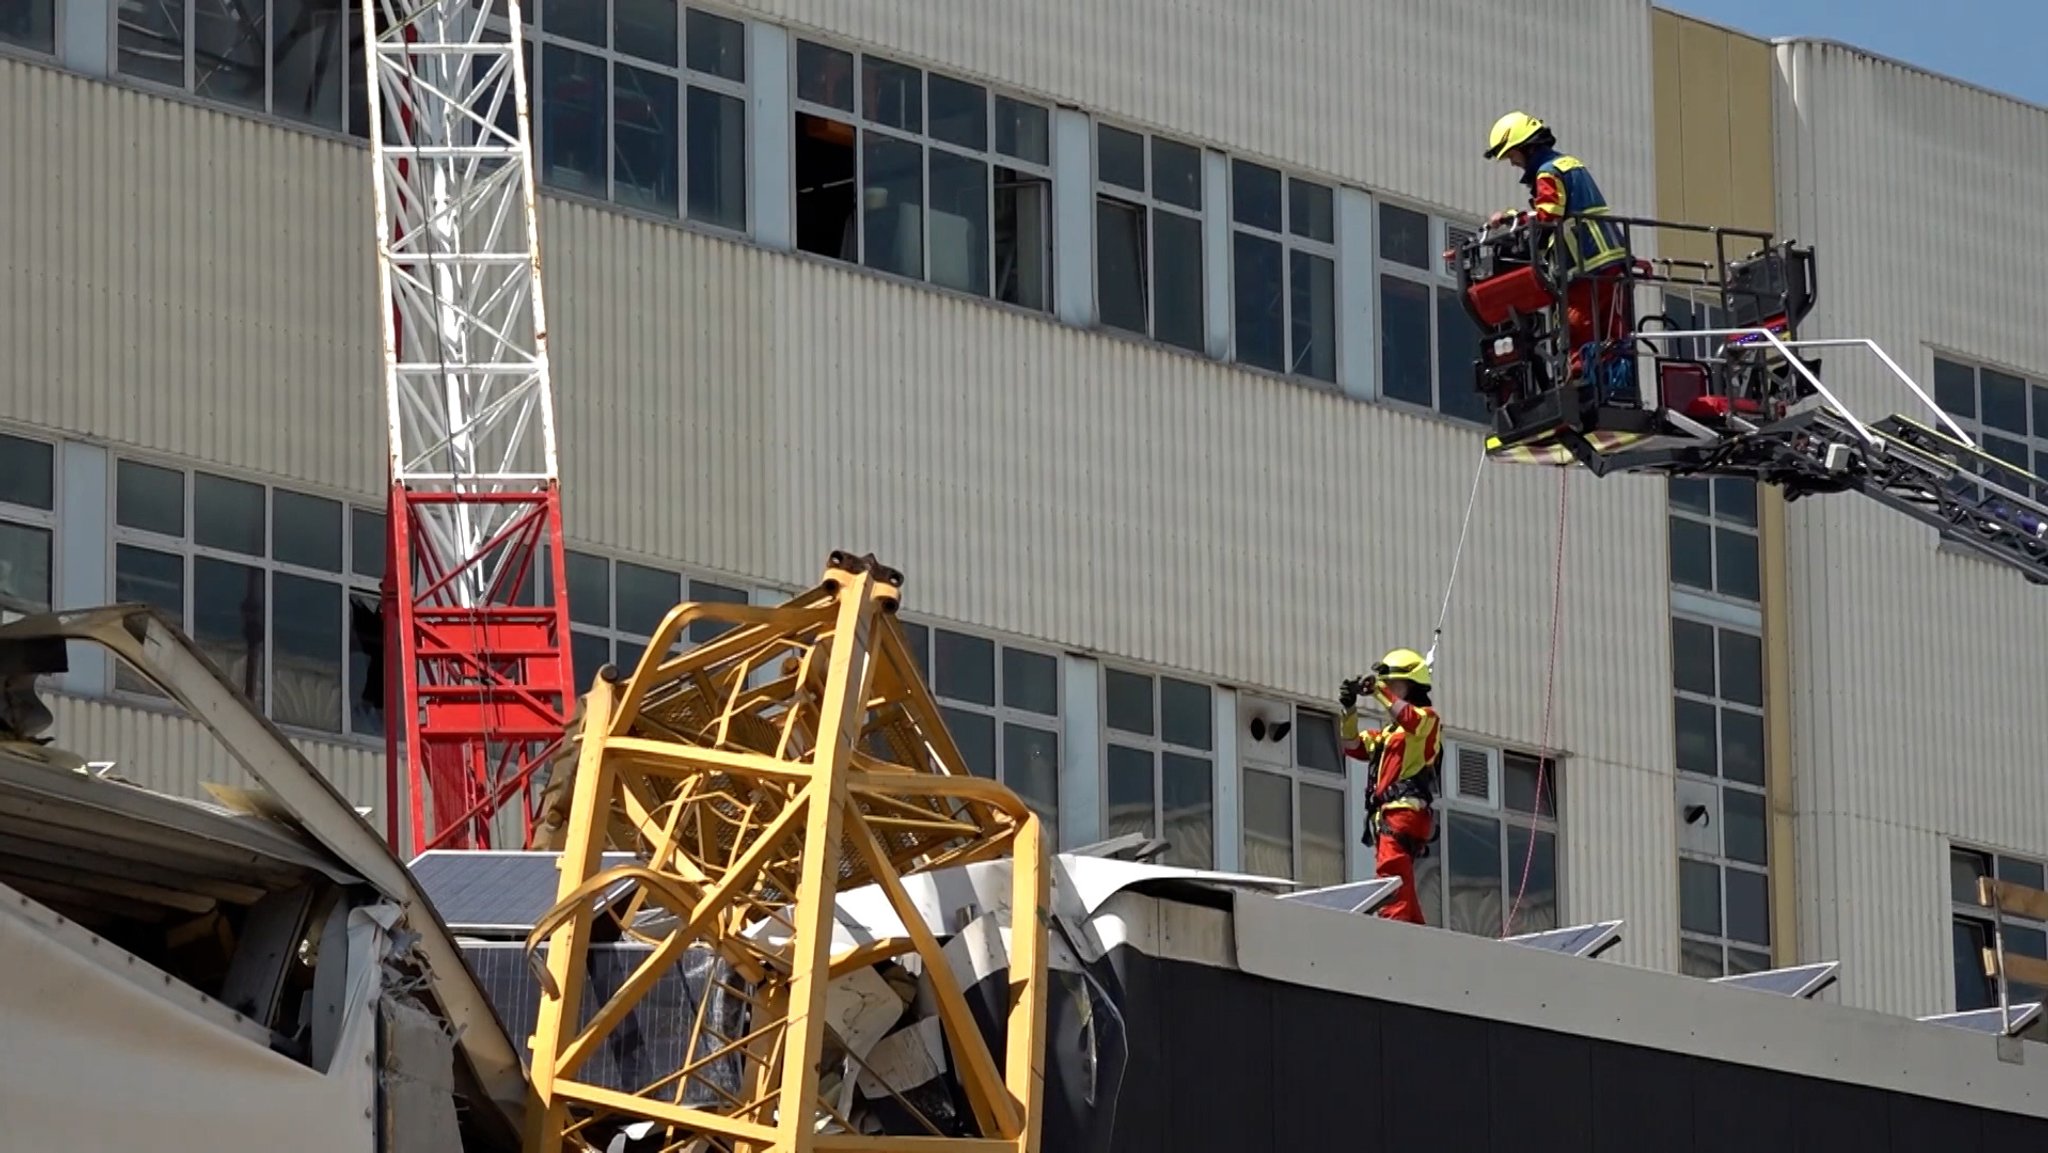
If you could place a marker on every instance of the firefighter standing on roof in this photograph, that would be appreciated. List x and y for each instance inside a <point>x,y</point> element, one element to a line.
<point>1595,251</point>
<point>1404,756</point>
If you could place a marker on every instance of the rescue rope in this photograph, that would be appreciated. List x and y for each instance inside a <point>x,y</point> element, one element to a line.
<point>1543,753</point>
<point>1457,554</point>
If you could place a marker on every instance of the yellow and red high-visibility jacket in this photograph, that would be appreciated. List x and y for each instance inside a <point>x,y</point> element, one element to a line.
<point>1404,749</point>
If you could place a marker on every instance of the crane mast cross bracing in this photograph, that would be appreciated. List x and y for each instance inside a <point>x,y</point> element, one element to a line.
<point>478,677</point>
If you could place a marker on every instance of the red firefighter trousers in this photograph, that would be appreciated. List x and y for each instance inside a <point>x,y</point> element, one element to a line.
<point>1594,311</point>
<point>1395,861</point>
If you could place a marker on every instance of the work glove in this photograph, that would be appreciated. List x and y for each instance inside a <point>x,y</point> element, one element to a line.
<point>1348,693</point>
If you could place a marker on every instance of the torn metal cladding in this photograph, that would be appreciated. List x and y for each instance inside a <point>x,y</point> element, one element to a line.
<point>754,779</point>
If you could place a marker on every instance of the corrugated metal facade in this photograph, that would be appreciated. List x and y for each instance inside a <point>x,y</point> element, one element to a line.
<point>199,284</point>
<point>1917,673</point>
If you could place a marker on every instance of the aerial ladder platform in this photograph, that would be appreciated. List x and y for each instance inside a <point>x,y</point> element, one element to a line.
<point>1746,400</point>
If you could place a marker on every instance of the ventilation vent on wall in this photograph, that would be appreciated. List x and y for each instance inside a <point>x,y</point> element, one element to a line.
<point>1473,778</point>
<point>1454,236</point>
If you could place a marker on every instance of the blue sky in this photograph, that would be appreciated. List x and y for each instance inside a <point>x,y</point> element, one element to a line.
<point>1995,43</point>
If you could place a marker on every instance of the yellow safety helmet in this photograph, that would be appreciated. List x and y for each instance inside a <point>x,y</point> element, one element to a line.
<point>1511,131</point>
<point>1403,665</point>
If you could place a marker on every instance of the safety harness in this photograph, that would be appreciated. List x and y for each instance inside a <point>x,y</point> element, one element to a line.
<point>1420,787</point>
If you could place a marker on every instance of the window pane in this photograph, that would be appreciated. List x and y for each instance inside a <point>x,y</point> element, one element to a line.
<point>2039,406</point>
<point>227,514</point>
<point>1974,989</point>
<point>1129,699</point>
<point>1735,500</point>
<point>1429,888</point>
<point>572,109</point>
<point>1692,493</point>
<point>1404,236</point>
<point>1699,897</point>
<point>1187,808</point>
<point>959,112</point>
<point>892,94</point>
<point>1742,668</point>
<point>708,592</point>
<point>1031,681</point>
<point>1031,766</point>
<point>1955,388</point>
<point>366,543</point>
<point>584,22</point>
<point>1256,287</point>
<point>1736,570</point>
<point>305,675</point>
<point>25,564</point>
<point>1177,173</point>
<point>1268,824</point>
<point>1177,263</point>
<point>959,222</point>
<point>1129,780</point>
<point>717,46</point>
<point>1538,910</point>
<point>1697,745</point>
<point>717,138</point>
<point>1405,340</point>
<point>1457,349</point>
<point>2028,873</point>
<point>1744,833</point>
<point>1023,230</point>
<point>1023,131</point>
<point>918,639</point>
<point>1692,657</point>
<point>228,619</point>
<point>645,596</point>
<point>1186,715</point>
<point>975,733</point>
<point>824,76</point>
<point>590,589</point>
<point>643,28</point>
<point>150,43</point>
<point>645,145</point>
<point>1120,157</point>
<point>366,676</point>
<point>1312,211</point>
<point>1742,747</point>
<point>1120,264</point>
<point>1692,553</point>
<point>1474,865</point>
<point>1700,959</point>
<point>965,667</point>
<point>2004,398</point>
<point>27,470</point>
<point>149,577</point>
<point>149,498</point>
<point>1255,195</point>
<point>1965,869</point>
<point>1322,836</point>
<point>1519,781</point>
<point>1312,303</point>
<point>892,220</point>
<point>590,653</point>
<point>31,24</point>
<point>1747,961</point>
<point>1749,906</point>
<point>1315,742</point>
<point>307,530</point>
<point>231,53</point>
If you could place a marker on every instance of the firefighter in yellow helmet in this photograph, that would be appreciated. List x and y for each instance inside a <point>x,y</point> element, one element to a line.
<point>1562,190</point>
<point>1403,757</point>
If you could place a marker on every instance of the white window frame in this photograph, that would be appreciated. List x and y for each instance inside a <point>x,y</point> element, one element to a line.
<point>1979,917</point>
<point>1430,872</point>
<point>41,519</point>
<point>1147,202</point>
<point>1290,241</point>
<point>350,67</point>
<point>1730,954</point>
<point>1288,766</point>
<point>2033,439</point>
<point>990,157</point>
<point>188,551</point>
<point>1439,277</point>
<point>1158,747</point>
<point>538,38</point>
<point>922,636</point>
<point>57,27</point>
<point>1721,529</point>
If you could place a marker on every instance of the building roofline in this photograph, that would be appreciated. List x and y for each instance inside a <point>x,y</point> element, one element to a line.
<point>1907,65</point>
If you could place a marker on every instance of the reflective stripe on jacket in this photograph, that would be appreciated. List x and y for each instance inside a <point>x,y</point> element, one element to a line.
<point>1560,186</point>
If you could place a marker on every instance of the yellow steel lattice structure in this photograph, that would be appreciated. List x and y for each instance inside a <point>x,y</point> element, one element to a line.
<point>754,777</point>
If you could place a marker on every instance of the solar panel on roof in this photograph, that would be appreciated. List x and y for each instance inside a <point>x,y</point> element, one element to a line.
<point>1355,897</point>
<point>493,891</point>
<point>1988,1021</point>
<point>1576,941</point>
<point>1796,981</point>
